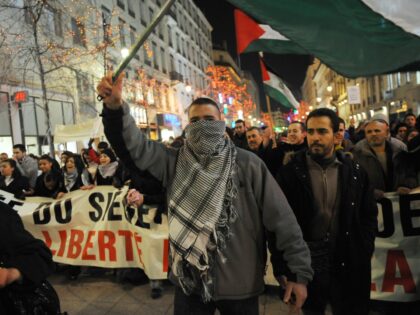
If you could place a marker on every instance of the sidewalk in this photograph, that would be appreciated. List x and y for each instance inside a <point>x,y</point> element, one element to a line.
<point>103,295</point>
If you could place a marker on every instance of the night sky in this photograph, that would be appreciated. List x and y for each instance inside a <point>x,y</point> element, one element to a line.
<point>291,68</point>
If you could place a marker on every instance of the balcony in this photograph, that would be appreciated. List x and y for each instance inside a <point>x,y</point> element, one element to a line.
<point>176,76</point>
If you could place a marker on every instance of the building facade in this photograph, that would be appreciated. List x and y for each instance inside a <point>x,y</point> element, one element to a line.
<point>83,38</point>
<point>393,94</point>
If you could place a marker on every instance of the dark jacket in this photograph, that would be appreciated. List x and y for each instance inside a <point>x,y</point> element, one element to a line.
<point>79,182</point>
<point>259,203</point>
<point>367,158</point>
<point>357,224</point>
<point>16,187</point>
<point>241,141</point>
<point>117,180</point>
<point>407,167</point>
<point>20,250</point>
<point>274,158</point>
<point>41,190</point>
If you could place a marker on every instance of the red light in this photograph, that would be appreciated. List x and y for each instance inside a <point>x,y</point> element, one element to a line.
<point>20,96</point>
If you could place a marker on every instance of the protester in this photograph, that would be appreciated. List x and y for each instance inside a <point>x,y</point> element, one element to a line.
<point>401,132</point>
<point>109,172</point>
<point>219,198</point>
<point>411,134</point>
<point>333,203</point>
<point>12,181</point>
<point>410,120</point>
<point>49,183</point>
<point>27,165</point>
<point>239,137</point>
<point>255,141</point>
<point>3,156</point>
<point>64,156</point>
<point>376,155</point>
<point>340,142</point>
<point>145,190</point>
<point>75,175</point>
<point>25,263</point>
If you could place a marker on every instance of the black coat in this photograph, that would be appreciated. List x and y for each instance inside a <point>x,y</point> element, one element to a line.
<point>357,225</point>
<point>241,141</point>
<point>20,250</point>
<point>117,180</point>
<point>41,190</point>
<point>16,187</point>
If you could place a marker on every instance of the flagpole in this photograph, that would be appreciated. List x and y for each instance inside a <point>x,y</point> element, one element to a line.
<point>140,41</point>
<point>267,98</point>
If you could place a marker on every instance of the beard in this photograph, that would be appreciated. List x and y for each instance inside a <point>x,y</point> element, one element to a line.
<point>319,151</point>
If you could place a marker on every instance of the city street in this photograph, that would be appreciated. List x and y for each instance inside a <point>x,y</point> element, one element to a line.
<point>103,295</point>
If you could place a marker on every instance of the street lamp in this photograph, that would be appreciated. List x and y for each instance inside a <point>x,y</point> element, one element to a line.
<point>329,88</point>
<point>318,99</point>
<point>188,88</point>
<point>124,52</point>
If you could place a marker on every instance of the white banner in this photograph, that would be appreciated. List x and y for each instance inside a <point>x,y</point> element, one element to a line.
<point>396,261</point>
<point>93,228</point>
<point>353,94</point>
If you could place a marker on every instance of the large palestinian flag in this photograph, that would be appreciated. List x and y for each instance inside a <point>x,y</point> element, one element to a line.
<point>353,37</point>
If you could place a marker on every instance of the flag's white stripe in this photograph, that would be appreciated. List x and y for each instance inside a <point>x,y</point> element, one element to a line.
<point>276,83</point>
<point>404,13</point>
<point>271,34</point>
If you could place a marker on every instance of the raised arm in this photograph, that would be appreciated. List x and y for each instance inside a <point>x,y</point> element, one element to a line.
<point>128,141</point>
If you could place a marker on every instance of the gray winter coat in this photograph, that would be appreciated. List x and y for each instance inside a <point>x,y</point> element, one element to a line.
<point>364,155</point>
<point>260,203</point>
<point>29,168</point>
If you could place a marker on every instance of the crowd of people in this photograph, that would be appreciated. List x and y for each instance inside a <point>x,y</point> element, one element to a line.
<point>310,195</point>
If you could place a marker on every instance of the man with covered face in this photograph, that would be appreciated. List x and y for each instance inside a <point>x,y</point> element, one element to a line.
<point>220,197</point>
<point>334,205</point>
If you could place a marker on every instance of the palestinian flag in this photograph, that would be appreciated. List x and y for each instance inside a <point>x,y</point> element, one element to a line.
<point>353,37</point>
<point>254,37</point>
<point>276,89</point>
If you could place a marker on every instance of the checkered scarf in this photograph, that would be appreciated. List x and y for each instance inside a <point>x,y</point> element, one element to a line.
<point>201,205</point>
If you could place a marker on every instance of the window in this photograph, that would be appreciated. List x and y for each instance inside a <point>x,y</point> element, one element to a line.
<point>155,56</point>
<point>151,13</point>
<point>399,79</point>
<point>161,26</point>
<point>133,32</point>
<point>162,56</point>
<point>171,63</point>
<point>52,21</point>
<point>79,35</point>
<point>180,67</point>
<point>122,32</point>
<point>121,4</point>
<point>418,77</point>
<point>143,18</point>
<point>86,96</point>
<point>5,129</point>
<point>407,77</point>
<point>130,8</point>
<point>170,37</point>
<point>146,57</point>
<point>106,24</point>
<point>178,38</point>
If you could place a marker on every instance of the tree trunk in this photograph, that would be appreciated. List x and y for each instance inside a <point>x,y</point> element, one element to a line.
<point>43,87</point>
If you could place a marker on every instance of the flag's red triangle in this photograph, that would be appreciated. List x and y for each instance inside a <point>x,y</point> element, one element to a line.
<point>264,72</point>
<point>247,30</point>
